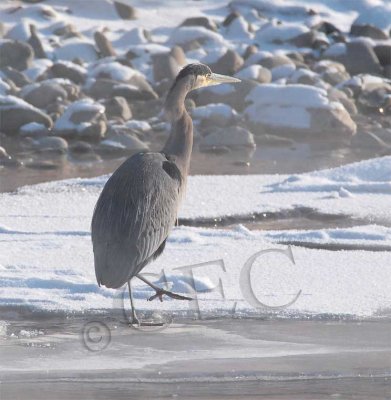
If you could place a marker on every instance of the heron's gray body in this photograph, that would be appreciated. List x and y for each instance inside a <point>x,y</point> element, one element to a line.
<point>134,215</point>
<point>139,203</point>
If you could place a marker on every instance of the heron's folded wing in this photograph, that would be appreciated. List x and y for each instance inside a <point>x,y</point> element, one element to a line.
<point>132,218</point>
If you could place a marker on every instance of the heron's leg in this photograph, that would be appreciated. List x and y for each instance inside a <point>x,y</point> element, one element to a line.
<point>160,292</point>
<point>134,316</point>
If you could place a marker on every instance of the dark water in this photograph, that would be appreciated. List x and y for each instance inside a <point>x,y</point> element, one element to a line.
<point>264,160</point>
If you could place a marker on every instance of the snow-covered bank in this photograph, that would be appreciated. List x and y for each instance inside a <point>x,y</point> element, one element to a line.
<point>46,255</point>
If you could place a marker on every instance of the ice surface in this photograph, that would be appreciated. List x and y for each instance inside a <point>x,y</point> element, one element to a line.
<point>46,254</point>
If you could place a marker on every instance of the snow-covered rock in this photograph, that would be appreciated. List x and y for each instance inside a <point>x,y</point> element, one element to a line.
<point>42,94</point>
<point>112,70</point>
<point>232,137</point>
<point>256,73</point>
<point>76,48</point>
<point>277,32</point>
<point>378,17</point>
<point>297,108</point>
<point>15,112</point>
<point>219,114</point>
<point>84,118</point>
<point>186,34</point>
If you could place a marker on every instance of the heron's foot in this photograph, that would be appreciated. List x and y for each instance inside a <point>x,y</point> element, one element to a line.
<point>134,321</point>
<point>161,292</point>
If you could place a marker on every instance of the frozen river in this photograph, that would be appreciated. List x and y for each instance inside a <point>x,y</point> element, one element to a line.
<point>216,359</point>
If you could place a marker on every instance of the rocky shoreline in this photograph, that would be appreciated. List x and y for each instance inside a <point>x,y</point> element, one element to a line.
<point>92,94</point>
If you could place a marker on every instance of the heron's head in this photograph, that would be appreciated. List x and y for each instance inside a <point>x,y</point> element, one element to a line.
<point>200,75</point>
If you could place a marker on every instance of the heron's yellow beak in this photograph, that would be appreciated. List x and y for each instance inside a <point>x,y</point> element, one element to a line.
<point>216,79</point>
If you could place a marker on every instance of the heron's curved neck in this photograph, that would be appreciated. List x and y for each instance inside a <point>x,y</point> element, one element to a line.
<point>180,142</point>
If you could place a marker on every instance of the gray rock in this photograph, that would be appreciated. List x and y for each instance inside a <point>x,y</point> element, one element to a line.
<point>250,50</point>
<point>230,18</point>
<point>2,29</point>
<point>264,76</point>
<point>383,53</point>
<point>80,147</point>
<point>51,144</point>
<point>326,27</point>
<point>275,61</point>
<point>76,49</point>
<point>104,46</point>
<point>179,55</point>
<point>42,165</point>
<point>68,70</point>
<point>256,73</point>
<point>84,119</point>
<point>368,31</point>
<point>66,30</point>
<point>167,65</point>
<point>117,107</point>
<point>17,55</point>
<point>297,112</point>
<point>128,140</point>
<point>375,99</point>
<point>296,57</point>
<point>102,88</point>
<point>36,43</point>
<point>361,58</point>
<point>125,11</point>
<point>335,77</point>
<point>19,78</point>
<point>119,144</point>
<point>274,140</point>
<point>200,21</point>
<point>94,132</point>
<point>137,90</point>
<point>340,96</point>
<point>15,112</point>
<point>228,64</point>
<point>236,98</point>
<point>164,67</point>
<point>33,130</point>
<point>306,39</point>
<point>232,137</point>
<point>215,115</point>
<point>42,94</point>
<point>335,122</point>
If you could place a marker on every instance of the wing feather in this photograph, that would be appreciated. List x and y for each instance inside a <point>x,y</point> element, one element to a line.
<point>133,217</point>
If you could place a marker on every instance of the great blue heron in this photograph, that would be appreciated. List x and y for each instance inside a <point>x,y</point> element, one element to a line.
<point>139,203</point>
